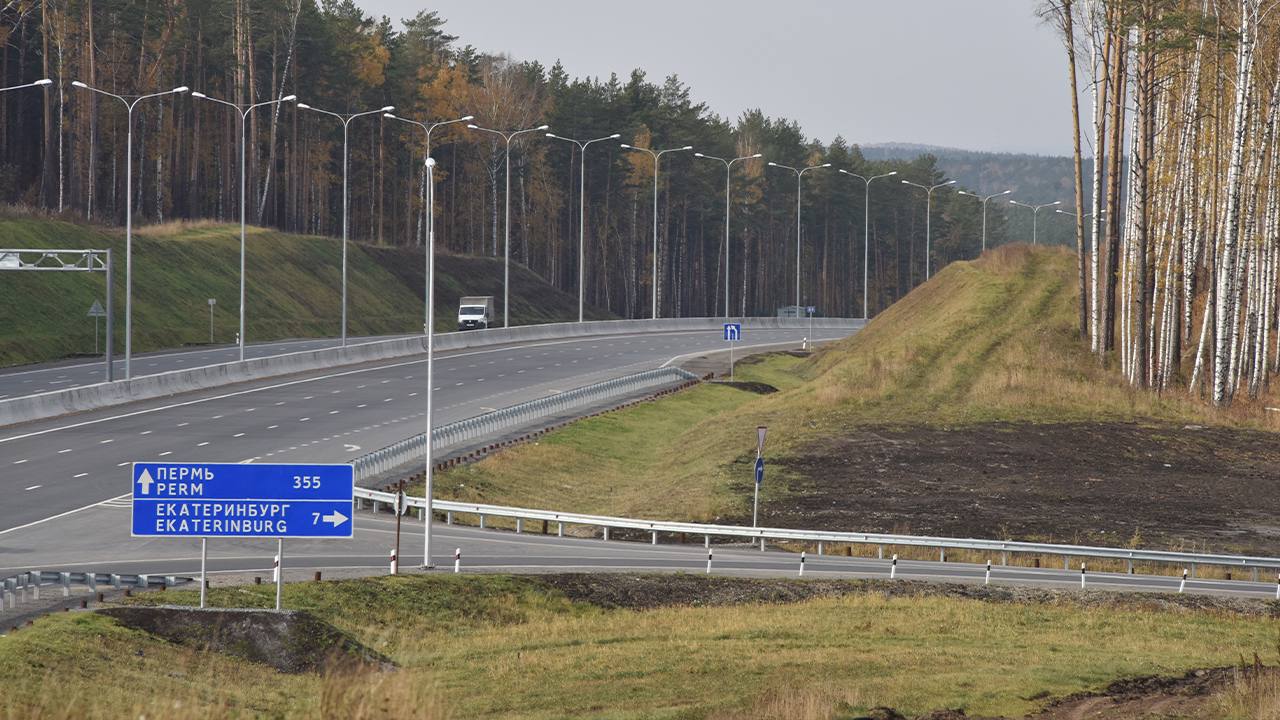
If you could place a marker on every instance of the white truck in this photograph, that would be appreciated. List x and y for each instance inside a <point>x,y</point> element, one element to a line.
<point>475,312</point>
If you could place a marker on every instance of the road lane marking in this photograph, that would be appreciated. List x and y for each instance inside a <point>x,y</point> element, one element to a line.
<point>166,452</point>
<point>34,487</point>
<point>64,451</point>
<point>80,475</point>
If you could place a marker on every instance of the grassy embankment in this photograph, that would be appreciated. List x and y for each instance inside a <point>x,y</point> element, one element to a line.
<point>491,646</point>
<point>988,340</point>
<point>293,288</point>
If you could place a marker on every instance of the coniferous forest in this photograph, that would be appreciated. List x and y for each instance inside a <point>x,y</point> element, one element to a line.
<point>62,152</point>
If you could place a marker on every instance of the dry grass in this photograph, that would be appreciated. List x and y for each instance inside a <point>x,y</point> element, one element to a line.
<point>502,647</point>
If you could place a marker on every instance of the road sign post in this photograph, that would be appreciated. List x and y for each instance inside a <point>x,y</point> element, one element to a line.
<point>810,310</point>
<point>761,430</point>
<point>204,500</point>
<point>96,311</point>
<point>732,334</point>
<point>212,302</point>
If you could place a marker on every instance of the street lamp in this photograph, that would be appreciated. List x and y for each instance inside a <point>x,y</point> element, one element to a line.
<point>507,136</point>
<point>1035,214</point>
<point>38,83</point>
<point>244,111</point>
<point>429,476</point>
<point>582,208</point>
<point>130,102</point>
<point>928,216</point>
<point>430,208</point>
<point>799,174</point>
<point>656,156</point>
<point>866,229</point>
<point>345,119</point>
<point>984,200</point>
<point>728,168</point>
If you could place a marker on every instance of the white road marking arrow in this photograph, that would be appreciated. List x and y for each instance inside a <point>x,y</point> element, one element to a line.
<point>335,517</point>
<point>145,481</point>
<point>350,448</point>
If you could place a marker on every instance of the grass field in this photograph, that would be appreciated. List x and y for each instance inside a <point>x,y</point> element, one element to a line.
<point>494,646</point>
<point>293,288</point>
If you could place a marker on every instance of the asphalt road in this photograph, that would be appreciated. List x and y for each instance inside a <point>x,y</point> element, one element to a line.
<point>65,464</point>
<point>59,375</point>
<point>98,540</point>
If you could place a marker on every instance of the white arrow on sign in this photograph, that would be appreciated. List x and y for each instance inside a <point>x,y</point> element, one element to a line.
<point>335,517</point>
<point>145,481</point>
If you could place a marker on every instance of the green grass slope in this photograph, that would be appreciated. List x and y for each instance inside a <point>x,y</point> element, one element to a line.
<point>293,288</point>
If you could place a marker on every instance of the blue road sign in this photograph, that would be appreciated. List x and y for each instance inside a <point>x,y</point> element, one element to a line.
<point>732,331</point>
<point>811,310</point>
<point>759,471</point>
<point>234,500</point>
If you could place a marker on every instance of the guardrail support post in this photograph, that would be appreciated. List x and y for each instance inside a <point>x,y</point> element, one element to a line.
<point>559,529</point>
<point>1193,569</point>
<point>942,555</point>
<point>1255,574</point>
<point>606,533</point>
<point>1066,562</point>
<point>448,518</point>
<point>706,541</point>
<point>1130,562</point>
<point>519,525</point>
<point>655,537</point>
<point>482,522</point>
<point>819,547</point>
<point>65,579</point>
<point>1004,557</point>
<point>879,552</point>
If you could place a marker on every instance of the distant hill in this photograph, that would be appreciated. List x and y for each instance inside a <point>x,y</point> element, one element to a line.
<point>1034,179</point>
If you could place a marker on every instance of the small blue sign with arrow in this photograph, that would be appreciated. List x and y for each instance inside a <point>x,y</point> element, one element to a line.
<point>759,471</point>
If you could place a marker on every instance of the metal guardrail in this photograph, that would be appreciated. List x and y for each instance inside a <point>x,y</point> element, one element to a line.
<point>463,431</point>
<point>821,537</point>
<point>14,589</point>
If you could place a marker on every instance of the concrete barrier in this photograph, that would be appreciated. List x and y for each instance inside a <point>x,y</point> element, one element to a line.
<point>41,406</point>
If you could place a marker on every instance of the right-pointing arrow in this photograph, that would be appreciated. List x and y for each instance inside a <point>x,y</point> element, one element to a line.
<point>335,517</point>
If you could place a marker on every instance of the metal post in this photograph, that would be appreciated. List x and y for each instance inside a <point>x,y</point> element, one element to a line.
<point>204,560</point>
<point>431,335</point>
<point>128,248</point>
<point>244,119</point>
<point>654,278</point>
<point>346,122</point>
<point>984,224</point>
<point>928,229</point>
<point>111,320</point>
<point>506,250</point>
<point>866,244</point>
<point>728,173</point>
<point>280,570</point>
<point>755,502</point>
<point>582,228</point>
<point>799,176</point>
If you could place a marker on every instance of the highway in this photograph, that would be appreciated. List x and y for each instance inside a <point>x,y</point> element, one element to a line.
<point>65,464</point>
<point>98,540</point>
<point>46,377</point>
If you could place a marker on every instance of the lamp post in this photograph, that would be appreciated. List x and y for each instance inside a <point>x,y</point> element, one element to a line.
<point>507,136</point>
<point>345,119</point>
<point>429,475</point>
<point>582,209</point>
<point>244,111</point>
<point>656,156</point>
<point>38,83</point>
<point>984,200</point>
<point>430,207</point>
<point>799,175</point>
<point>130,102</point>
<point>928,216</point>
<point>728,169</point>
<point>1035,214</point>
<point>866,230</point>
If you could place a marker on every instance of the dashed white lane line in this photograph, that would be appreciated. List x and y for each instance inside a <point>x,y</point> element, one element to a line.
<point>386,400</point>
<point>333,412</point>
<point>457,384</point>
<point>126,462</point>
<point>183,424</point>
<point>108,440</point>
<point>240,434</point>
<point>166,452</point>
<point>303,419</point>
<point>146,432</point>
<point>217,417</point>
<point>280,403</point>
<point>413,394</point>
<point>363,405</point>
<point>202,444</point>
<point>35,487</point>
<point>80,475</point>
<point>272,427</point>
<point>64,451</point>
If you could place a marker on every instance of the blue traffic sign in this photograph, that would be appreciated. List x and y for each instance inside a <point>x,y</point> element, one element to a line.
<point>732,331</point>
<point>810,310</point>
<point>242,500</point>
<point>759,471</point>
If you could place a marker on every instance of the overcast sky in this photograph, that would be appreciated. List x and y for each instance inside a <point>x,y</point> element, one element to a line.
<point>973,74</point>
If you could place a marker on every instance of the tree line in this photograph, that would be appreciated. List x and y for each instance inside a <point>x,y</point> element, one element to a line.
<point>63,152</point>
<point>1178,260</point>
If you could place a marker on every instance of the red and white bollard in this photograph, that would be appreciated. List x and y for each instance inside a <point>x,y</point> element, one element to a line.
<point>457,560</point>
<point>395,562</point>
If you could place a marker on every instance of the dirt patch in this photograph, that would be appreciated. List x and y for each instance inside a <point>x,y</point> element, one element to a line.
<point>758,388</point>
<point>291,641</point>
<point>646,592</point>
<point>1167,486</point>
